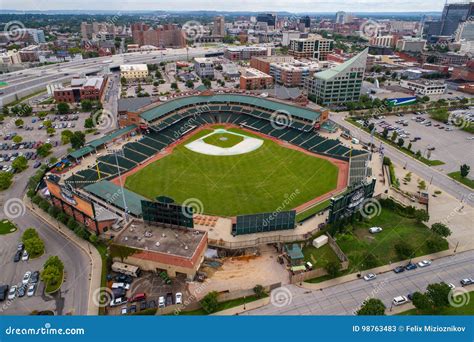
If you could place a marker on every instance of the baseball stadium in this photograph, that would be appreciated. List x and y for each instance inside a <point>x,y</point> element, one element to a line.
<point>229,156</point>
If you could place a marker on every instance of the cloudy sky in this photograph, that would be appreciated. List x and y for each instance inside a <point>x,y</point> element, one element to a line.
<point>231,5</point>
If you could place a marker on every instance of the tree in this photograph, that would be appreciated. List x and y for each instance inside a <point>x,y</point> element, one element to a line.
<point>47,123</point>
<point>421,215</point>
<point>209,303</point>
<point>441,229</point>
<point>19,122</point>
<point>86,105</point>
<point>174,85</point>
<point>421,301</point>
<point>17,139</point>
<point>370,260</point>
<point>206,82</point>
<point>89,123</point>
<point>333,268</point>
<point>63,108</point>
<point>435,245</point>
<point>259,291</point>
<point>464,170</point>
<point>66,136</point>
<point>372,307</point>
<point>400,142</point>
<point>418,154</point>
<point>422,185</point>
<point>404,250</point>
<point>439,295</point>
<point>123,80</point>
<point>189,84</point>
<point>34,246</point>
<point>6,179</point>
<point>409,147</point>
<point>50,131</point>
<point>394,136</point>
<point>55,262</point>
<point>44,149</point>
<point>29,233</point>
<point>20,164</point>
<point>51,275</point>
<point>385,133</point>
<point>121,251</point>
<point>78,139</point>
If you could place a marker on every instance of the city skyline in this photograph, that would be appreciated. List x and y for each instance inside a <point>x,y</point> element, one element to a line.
<point>265,5</point>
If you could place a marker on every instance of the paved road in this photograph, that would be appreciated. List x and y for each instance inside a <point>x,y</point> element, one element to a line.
<point>345,299</point>
<point>437,178</point>
<point>75,290</point>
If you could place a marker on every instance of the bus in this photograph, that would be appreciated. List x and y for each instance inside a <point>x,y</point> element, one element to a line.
<point>131,270</point>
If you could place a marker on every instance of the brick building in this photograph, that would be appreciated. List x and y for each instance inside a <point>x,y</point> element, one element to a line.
<point>89,88</point>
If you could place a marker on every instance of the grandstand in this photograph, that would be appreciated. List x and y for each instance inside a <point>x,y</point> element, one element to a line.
<point>169,122</point>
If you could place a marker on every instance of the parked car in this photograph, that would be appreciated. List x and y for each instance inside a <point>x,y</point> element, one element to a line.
<point>125,286</point>
<point>152,304</point>
<point>123,278</point>
<point>161,302</point>
<point>25,256</point>
<point>424,263</point>
<point>169,299</point>
<point>12,292</point>
<point>118,301</point>
<point>17,256</point>
<point>26,278</point>
<point>37,164</point>
<point>124,311</point>
<point>31,290</point>
<point>119,292</point>
<point>467,281</point>
<point>139,297</point>
<point>143,305</point>
<point>399,269</point>
<point>375,230</point>
<point>410,266</point>
<point>370,276</point>
<point>179,298</point>
<point>132,309</point>
<point>400,300</point>
<point>20,247</point>
<point>3,292</point>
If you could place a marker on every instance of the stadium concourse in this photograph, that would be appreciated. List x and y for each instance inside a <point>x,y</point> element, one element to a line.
<point>152,132</point>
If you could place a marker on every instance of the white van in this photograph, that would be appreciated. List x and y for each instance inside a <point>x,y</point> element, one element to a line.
<point>400,300</point>
<point>355,141</point>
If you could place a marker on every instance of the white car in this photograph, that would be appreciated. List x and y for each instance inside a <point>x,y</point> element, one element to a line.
<point>121,286</point>
<point>451,286</point>
<point>424,263</point>
<point>118,301</point>
<point>25,256</point>
<point>12,292</point>
<point>400,300</point>
<point>31,290</point>
<point>375,230</point>
<point>26,278</point>
<point>179,298</point>
<point>369,277</point>
<point>161,302</point>
<point>124,311</point>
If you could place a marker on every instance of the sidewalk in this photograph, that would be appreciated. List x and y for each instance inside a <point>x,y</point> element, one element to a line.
<point>377,270</point>
<point>240,309</point>
<point>95,258</point>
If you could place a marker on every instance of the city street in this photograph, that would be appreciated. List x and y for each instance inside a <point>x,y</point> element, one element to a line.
<point>345,299</point>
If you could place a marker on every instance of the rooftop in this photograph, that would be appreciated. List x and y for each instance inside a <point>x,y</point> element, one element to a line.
<point>172,241</point>
<point>356,61</point>
<point>134,67</point>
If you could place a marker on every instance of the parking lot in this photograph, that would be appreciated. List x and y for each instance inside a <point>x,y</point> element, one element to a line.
<point>150,284</point>
<point>451,144</point>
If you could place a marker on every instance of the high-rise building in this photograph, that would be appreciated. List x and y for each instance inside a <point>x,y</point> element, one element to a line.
<point>340,84</point>
<point>306,21</point>
<point>169,35</point>
<point>312,47</point>
<point>30,35</point>
<point>268,18</point>
<point>86,30</point>
<point>453,15</point>
<point>219,26</point>
<point>341,17</point>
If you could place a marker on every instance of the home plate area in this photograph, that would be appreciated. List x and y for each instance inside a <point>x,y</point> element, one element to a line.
<point>248,144</point>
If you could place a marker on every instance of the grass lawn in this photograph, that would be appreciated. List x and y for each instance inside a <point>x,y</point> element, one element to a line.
<point>53,288</point>
<point>395,228</point>
<point>255,182</point>
<point>224,140</point>
<point>319,257</point>
<point>467,309</point>
<point>311,211</point>
<point>7,227</point>
<point>466,181</point>
<point>223,306</point>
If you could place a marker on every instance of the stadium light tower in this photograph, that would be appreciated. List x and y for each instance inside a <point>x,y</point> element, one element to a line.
<point>118,153</point>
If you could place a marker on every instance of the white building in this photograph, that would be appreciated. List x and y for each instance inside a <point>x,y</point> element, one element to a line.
<point>424,87</point>
<point>134,71</point>
<point>386,41</point>
<point>288,36</point>
<point>204,67</point>
<point>411,45</point>
<point>10,57</point>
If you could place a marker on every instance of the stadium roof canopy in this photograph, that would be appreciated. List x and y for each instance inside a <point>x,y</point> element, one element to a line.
<point>91,146</point>
<point>171,106</point>
<point>112,193</point>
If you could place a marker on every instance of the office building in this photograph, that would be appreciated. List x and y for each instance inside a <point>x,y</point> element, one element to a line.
<point>338,85</point>
<point>314,46</point>
<point>453,15</point>
<point>421,87</point>
<point>10,57</point>
<point>411,45</point>
<point>268,18</point>
<point>219,26</point>
<point>252,79</point>
<point>246,52</point>
<point>134,71</point>
<point>204,67</point>
<point>169,35</point>
<point>87,88</point>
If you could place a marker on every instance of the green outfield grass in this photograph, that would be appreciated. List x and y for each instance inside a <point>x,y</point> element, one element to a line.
<point>269,178</point>
<point>224,140</point>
